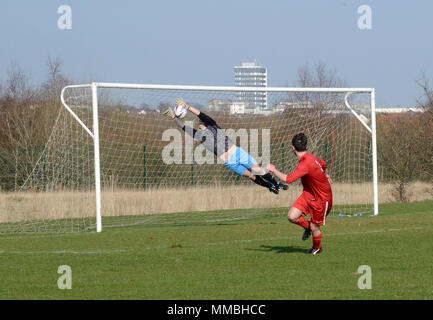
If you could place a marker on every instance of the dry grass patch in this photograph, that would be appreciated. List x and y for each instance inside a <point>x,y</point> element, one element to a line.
<point>61,205</point>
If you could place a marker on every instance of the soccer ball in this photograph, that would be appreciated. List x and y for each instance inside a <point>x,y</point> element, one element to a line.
<point>180,111</point>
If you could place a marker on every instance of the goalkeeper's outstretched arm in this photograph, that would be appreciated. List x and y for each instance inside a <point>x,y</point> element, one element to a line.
<point>189,130</point>
<point>181,102</point>
<point>208,121</point>
<point>170,114</point>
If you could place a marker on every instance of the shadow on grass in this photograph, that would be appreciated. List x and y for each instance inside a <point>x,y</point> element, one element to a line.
<point>281,249</point>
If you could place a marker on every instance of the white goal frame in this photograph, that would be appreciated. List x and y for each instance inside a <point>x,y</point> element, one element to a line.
<point>95,133</point>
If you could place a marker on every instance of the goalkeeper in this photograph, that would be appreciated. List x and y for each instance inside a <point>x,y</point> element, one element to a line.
<point>214,139</point>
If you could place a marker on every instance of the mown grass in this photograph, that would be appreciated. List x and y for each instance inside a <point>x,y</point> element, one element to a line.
<point>261,257</point>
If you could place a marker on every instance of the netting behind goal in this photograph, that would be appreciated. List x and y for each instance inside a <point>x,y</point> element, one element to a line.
<point>152,173</point>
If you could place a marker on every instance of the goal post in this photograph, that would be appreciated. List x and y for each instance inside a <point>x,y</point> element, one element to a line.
<point>110,140</point>
<point>94,134</point>
<point>97,157</point>
<point>374,152</point>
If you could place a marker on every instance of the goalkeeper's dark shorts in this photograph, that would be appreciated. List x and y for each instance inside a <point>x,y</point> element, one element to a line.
<point>240,161</point>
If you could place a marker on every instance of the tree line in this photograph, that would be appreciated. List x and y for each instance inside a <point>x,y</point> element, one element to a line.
<point>28,114</point>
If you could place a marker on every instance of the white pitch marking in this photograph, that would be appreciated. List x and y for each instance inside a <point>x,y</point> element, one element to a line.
<point>65,252</point>
<point>206,243</point>
<point>224,242</point>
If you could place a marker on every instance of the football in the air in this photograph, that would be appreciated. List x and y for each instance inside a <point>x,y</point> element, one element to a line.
<point>180,111</point>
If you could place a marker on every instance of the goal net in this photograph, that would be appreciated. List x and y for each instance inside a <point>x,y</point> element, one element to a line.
<point>113,159</point>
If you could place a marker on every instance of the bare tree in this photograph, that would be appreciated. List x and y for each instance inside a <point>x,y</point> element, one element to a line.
<point>424,129</point>
<point>50,94</point>
<point>398,150</point>
<point>406,145</point>
<point>426,100</point>
<point>17,106</point>
<point>317,105</point>
<point>27,118</point>
<point>318,76</point>
<point>55,80</point>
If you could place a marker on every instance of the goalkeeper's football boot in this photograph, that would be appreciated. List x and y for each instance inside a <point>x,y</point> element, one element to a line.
<point>262,182</point>
<point>314,251</point>
<point>258,180</point>
<point>268,177</point>
<point>272,188</point>
<point>306,234</point>
<point>283,186</point>
<point>267,184</point>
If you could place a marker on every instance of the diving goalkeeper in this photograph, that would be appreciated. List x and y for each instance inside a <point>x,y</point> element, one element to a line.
<point>214,139</point>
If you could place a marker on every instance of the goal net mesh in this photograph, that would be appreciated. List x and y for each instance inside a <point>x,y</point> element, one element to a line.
<point>153,173</point>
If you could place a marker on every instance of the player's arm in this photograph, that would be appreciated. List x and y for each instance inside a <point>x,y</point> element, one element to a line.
<point>208,121</point>
<point>328,177</point>
<point>191,131</point>
<point>279,174</point>
<point>325,167</point>
<point>300,171</point>
<point>181,102</point>
<point>170,114</point>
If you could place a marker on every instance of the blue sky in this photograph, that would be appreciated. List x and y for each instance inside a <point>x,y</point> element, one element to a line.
<point>199,41</point>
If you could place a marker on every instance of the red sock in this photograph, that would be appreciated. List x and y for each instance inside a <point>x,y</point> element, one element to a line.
<point>303,222</point>
<point>317,241</point>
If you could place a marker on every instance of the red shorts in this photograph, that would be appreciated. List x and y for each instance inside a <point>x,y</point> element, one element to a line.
<point>316,208</point>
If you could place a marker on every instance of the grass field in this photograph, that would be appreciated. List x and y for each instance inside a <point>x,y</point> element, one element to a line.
<point>256,258</point>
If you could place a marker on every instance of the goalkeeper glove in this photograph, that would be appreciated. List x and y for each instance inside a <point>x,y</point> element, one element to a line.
<point>169,113</point>
<point>181,102</point>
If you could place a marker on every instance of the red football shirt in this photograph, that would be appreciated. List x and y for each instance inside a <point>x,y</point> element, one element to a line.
<point>311,170</point>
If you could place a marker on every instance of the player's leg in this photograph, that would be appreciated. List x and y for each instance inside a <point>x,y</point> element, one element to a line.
<point>239,167</point>
<point>319,213</point>
<point>295,215</point>
<point>252,176</point>
<point>251,164</point>
<point>262,174</point>
<point>254,167</point>
<point>259,171</point>
<point>317,239</point>
<point>260,181</point>
<point>244,164</point>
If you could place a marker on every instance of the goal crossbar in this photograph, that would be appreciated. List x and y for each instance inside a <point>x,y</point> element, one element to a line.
<point>219,88</point>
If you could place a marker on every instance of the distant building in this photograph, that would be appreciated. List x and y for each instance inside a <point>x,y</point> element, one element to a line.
<point>219,105</point>
<point>365,108</point>
<point>398,110</point>
<point>251,74</point>
<point>286,105</point>
<point>237,107</point>
<point>232,107</point>
<point>360,108</point>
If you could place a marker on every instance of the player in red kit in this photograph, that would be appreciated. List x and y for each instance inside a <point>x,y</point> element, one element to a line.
<point>316,197</point>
